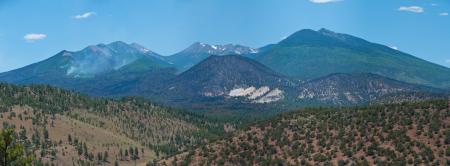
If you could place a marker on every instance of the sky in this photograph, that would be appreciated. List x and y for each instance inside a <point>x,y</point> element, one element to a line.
<point>31,31</point>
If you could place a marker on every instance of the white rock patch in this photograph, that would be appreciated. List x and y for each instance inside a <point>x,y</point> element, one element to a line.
<point>272,96</point>
<point>241,92</point>
<point>259,92</point>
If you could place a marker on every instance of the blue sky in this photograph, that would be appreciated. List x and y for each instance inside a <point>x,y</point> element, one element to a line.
<point>31,31</point>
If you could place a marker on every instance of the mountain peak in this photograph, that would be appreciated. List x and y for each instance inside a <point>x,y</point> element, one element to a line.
<point>203,48</point>
<point>139,47</point>
<point>324,31</point>
<point>217,75</point>
<point>323,37</point>
<point>122,47</point>
<point>65,53</point>
<point>118,42</point>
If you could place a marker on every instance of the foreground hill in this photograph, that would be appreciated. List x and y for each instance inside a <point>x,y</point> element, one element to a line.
<point>62,128</point>
<point>309,54</point>
<point>401,134</point>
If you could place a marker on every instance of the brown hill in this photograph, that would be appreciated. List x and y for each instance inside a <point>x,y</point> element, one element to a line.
<point>402,134</point>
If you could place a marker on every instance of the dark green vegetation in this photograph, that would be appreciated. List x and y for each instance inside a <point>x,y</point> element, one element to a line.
<point>399,134</point>
<point>12,151</point>
<point>309,54</point>
<point>45,117</point>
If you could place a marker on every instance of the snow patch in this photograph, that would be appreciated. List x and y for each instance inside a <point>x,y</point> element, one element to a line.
<point>67,54</point>
<point>252,50</point>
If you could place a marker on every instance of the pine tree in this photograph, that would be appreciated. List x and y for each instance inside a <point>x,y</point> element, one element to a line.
<point>105,156</point>
<point>11,152</point>
<point>69,138</point>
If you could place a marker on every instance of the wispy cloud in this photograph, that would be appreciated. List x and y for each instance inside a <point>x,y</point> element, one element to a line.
<point>443,14</point>
<point>324,1</point>
<point>84,15</point>
<point>414,9</point>
<point>34,36</point>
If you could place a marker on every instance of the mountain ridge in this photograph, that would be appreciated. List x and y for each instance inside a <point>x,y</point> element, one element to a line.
<point>199,51</point>
<point>217,76</point>
<point>309,54</point>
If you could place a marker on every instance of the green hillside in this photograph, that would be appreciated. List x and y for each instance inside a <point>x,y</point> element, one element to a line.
<point>309,54</point>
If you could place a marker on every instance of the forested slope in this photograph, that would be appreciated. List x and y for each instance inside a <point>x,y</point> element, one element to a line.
<point>398,134</point>
<point>62,127</point>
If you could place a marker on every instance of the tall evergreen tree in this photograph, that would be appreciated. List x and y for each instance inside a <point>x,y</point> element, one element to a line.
<point>11,152</point>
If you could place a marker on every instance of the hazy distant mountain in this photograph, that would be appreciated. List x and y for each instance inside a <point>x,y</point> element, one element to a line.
<point>200,51</point>
<point>358,88</point>
<point>92,61</point>
<point>309,54</point>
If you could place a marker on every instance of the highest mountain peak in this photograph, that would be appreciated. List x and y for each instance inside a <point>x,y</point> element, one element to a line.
<point>327,38</point>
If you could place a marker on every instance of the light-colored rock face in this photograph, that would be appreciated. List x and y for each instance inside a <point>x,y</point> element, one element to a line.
<point>241,92</point>
<point>272,96</point>
<point>260,95</point>
<point>259,92</point>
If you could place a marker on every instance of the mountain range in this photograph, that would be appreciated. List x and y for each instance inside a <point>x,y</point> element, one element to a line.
<point>200,51</point>
<point>307,68</point>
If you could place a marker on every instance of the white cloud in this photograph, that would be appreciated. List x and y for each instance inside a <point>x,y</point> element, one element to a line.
<point>323,1</point>
<point>415,9</point>
<point>34,36</point>
<point>434,4</point>
<point>84,15</point>
<point>443,14</point>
